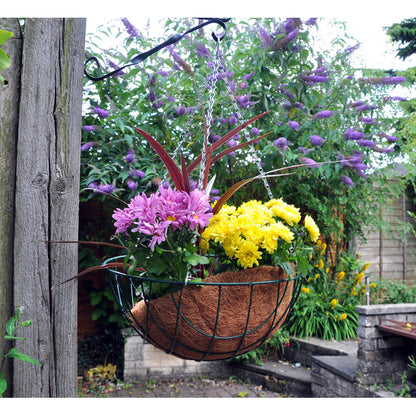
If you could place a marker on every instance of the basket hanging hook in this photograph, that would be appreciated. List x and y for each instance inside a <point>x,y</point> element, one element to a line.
<point>170,41</point>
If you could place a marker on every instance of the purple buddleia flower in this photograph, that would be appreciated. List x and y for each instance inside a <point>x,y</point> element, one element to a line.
<point>90,128</point>
<point>105,189</point>
<point>351,49</point>
<point>316,140</point>
<point>309,161</point>
<point>243,85</point>
<point>181,110</point>
<point>202,51</point>
<point>255,131</point>
<point>115,66</point>
<point>383,80</point>
<point>314,79</point>
<point>135,173</point>
<point>266,39</point>
<point>364,107</point>
<point>233,119</point>
<point>304,150</point>
<point>130,157</point>
<point>347,180</point>
<point>311,21</point>
<point>395,98</point>
<point>351,134</point>
<point>162,73</point>
<point>101,112</point>
<point>281,143</point>
<point>243,100</point>
<point>88,145</point>
<point>293,35</point>
<point>248,77</point>
<point>392,138</point>
<point>158,104</point>
<point>356,104</point>
<point>131,30</point>
<point>324,114</point>
<point>131,183</point>
<point>152,97</point>
<point>294,125</point>
<point>368,120</point>
<point>366,143</point>
<point>232,143</point>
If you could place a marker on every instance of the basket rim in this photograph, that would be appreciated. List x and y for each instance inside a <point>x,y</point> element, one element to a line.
<point>190,282</point>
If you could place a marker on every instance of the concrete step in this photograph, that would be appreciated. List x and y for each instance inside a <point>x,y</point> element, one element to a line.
<point>301,350</point>
<point>278,376</point>
<point>292,375</point>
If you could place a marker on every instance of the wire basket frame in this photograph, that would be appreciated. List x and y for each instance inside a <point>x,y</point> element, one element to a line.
<point>183,323</point>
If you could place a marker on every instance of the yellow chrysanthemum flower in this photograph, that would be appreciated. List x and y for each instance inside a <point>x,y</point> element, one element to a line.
<point>247,254</point>
<point>333,303</point>
<point>341,275</point>
<point>288,213</point>
<point>312,228</point>
<point>305,290</point>
<point>343,316</point>
<point>372,285</point>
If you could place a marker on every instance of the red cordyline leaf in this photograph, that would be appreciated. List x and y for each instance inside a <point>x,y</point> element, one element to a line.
<point>170,164</point>
<point>236,147</point>
<point>224,139</point>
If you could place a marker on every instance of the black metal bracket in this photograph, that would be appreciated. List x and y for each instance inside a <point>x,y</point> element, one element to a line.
<point>170,41</point>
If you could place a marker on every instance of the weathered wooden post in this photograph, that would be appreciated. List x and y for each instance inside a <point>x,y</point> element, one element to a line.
<point>46,204</point>
<point>9,111</point>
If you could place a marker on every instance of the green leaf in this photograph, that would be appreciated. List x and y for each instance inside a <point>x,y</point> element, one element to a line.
<point>26,323</point>
<point>303,265</point>
<point>13,337</point>
<point>11,326</point>
<point>3,384</point>
<point>195,259</point>
<point>13,353</point>
<point>4,60</point>
<point>4,35</point>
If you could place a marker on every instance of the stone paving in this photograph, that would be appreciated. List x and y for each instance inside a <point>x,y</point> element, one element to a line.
<point>230,387</point>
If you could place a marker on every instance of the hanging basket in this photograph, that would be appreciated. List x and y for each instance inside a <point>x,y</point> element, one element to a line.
<point>223,316</point>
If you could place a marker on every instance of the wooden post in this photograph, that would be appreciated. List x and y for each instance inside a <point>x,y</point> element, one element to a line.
<point>47,189</point>
<point>9,110</point>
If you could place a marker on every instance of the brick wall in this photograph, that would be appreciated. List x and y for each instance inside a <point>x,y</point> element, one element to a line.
<point>143,361</point>
<point>383,356</point>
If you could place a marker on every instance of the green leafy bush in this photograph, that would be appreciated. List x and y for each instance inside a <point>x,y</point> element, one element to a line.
<point>326,305</point>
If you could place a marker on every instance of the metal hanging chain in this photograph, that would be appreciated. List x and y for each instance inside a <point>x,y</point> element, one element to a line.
<point>170,41</point>
<point>209,119</point>
<point>254,153</point>
<point>210,84</point>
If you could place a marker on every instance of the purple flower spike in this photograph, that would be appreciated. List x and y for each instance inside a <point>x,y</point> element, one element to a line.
<point>131,30</point>
<point>131,183</point>
<point>281,143</point>
<point>316,140</point>
<point>366,143</point>
<point>248,77</point>
<point>130,156</point>
<point>347,180</point>
<point>351,134</point>
<point>324,114</point>
<point>294,125</point>
<point>137,173</point>
<point>101,112</point>
<point>309,161</point>
<point>181,111</point>
<point>255,131</point>
<point>90,128</point>
<point>88,145</point>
